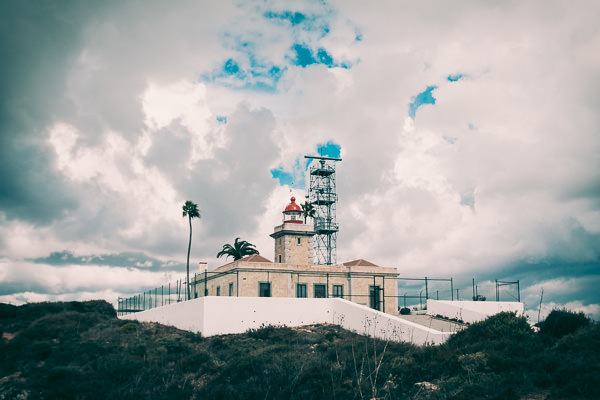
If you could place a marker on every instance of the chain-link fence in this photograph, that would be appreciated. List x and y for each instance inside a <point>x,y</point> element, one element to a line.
<point>411,293</point>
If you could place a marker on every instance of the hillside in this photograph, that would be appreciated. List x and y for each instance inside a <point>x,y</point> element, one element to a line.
<point>82,351</point>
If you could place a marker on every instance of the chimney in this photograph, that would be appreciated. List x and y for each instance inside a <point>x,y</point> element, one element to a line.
<point>203,266</point>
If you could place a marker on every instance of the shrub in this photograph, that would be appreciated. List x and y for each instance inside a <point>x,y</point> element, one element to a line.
<point>563,322</point>
<point>7,311</point>
<point>128,327</point>
<point>502,326</point>
<point>405,311</point>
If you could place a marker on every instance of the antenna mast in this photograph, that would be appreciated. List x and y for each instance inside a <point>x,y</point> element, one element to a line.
<point>322,195</point>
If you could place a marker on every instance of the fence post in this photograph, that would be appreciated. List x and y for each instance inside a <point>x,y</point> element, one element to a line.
<point>383,293</point>
<point>426,290</point>
<point>497,291</point>
<point>452,289</point>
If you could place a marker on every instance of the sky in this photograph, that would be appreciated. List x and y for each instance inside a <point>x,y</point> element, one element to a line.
<point>469,133</point>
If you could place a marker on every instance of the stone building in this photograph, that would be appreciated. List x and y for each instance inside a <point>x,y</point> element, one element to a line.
<point>293,273</point>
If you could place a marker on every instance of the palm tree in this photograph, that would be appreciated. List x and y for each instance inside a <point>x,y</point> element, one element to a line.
<point>190,209</point>
<point>240,249</point>
<point>308,210</point>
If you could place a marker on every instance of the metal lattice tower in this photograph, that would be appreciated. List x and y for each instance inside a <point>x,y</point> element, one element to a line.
<point>322,195</point>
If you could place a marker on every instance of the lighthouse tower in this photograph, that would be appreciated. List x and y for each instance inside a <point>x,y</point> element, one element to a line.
<point>293,239</point>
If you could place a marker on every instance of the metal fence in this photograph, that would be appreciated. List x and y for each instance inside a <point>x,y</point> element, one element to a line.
<point>412,293</point>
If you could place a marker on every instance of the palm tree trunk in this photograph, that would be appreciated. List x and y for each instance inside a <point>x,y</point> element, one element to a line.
<point>188,259</point>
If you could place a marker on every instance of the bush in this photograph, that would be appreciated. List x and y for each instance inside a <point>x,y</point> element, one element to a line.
<point>563,322</point>
<point>499,327</point>
<point>404,311</point>
<point>129,327</point>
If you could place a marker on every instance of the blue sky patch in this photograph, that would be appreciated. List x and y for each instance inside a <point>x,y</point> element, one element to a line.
<point>296,177</point>
<point>246,70</point>
<point>324,57</point>
<point>425,97</point>
<point>330,149</point>
<point>285,178</point>
<point>294,18</point>
<point>231,67</point>
<point>304,56</point>
<point>455,77</point>
<point>299,21</point>
<point>358,36</point>
<point>221,119</point>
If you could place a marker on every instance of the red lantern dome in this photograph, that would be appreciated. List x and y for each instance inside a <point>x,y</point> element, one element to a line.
<point>292,213</point>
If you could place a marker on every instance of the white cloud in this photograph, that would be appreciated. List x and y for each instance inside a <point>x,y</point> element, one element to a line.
<point>500,171</point>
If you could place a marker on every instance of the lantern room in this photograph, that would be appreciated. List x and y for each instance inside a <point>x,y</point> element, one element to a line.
<point>292,213</point>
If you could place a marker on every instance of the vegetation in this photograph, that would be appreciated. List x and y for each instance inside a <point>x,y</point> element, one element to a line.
<point>240,249</point>
<point>308,210</point>
<point>562,322</point>
<point>82,351</point>
<point>190,210</point>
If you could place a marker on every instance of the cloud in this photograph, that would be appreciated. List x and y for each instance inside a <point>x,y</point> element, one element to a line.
<point>425,97</point>
<point>123,260</point>
<point>23,277</point>
<point>469,148</point>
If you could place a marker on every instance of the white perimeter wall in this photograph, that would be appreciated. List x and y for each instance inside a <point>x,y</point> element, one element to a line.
<point>225,315</point>
<point>471,311</point>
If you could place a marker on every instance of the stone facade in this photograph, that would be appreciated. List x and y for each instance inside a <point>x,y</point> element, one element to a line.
<point>293,244</point>
<point>356,283</point>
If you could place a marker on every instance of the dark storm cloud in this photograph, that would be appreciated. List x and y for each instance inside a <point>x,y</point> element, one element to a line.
<point>231,188</point>
<point>126,260</point>
<point>170,149</point>
<point>38,40</point>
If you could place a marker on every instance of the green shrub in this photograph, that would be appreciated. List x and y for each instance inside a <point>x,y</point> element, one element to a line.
<point>41,350</point>
<point>563,322</point>
<point>129,327</point>
<point>7,311</point>
<point>79,351</point>
<point>504,325</point>
<point>404,311</point>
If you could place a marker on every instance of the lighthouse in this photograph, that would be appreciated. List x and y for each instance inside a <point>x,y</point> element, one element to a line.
<point>293,238</point>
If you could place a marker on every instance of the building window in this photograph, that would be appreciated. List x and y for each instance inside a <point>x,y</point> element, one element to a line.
<point>375,297</point>
<point>299,241</point>
<point>301,290</point>
<point>280,258</point>
<point>218,290</point>
<point>338,291</point>
<point>231,288</point>
<point>320,290</point>
<point>264,289</point>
